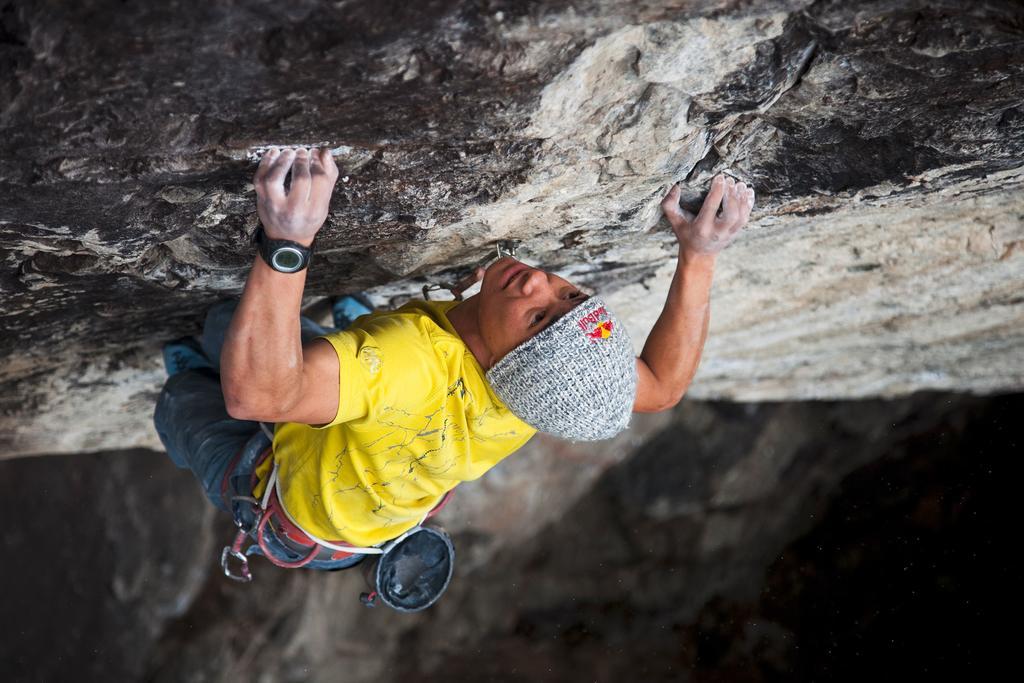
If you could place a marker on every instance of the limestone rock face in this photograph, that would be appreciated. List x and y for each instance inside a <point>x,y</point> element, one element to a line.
<point>883,140</point>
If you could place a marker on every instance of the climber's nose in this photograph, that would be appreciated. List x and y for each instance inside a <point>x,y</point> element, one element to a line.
<point>532,282</point>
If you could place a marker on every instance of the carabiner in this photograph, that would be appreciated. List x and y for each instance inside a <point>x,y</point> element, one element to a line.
<point>245,576</point>
<point>451,288</point>
<point>507,248</point>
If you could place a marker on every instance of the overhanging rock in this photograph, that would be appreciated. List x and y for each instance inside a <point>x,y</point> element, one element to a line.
<point>884,141</point>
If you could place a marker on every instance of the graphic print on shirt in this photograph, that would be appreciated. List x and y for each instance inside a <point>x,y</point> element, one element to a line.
<point>415,445</point>
<point>480,433</point>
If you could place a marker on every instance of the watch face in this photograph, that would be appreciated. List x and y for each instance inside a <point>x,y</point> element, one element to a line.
<point>286,259</point>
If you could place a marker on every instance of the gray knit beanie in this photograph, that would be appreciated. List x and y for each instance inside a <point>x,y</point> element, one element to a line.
<point>575,379</point>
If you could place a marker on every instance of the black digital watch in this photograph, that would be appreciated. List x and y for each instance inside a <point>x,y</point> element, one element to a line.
<point>284,256</point>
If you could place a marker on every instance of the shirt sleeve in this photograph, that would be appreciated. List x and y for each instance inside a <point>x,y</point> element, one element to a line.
<point>385,363</point>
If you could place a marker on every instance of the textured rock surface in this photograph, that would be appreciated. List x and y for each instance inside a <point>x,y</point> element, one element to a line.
<point>884,141</point>
<point>777,541</point>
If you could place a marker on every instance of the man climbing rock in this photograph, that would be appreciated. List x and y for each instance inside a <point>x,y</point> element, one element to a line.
<point>374,425</point>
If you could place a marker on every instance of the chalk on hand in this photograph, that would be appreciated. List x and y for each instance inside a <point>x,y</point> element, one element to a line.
<point>691,198</point>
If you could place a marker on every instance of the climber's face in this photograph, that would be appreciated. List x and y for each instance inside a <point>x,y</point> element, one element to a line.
<point>517,302</point>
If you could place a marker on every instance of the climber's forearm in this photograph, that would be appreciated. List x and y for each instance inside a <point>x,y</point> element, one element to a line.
<point>261,362</point>
<point>673,348</point>
<point>262,367</point>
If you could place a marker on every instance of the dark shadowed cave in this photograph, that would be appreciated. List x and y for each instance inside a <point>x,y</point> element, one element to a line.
<point>882,551</point>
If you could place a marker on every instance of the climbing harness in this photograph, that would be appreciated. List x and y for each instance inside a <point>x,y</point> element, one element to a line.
<point>267,521</point>
<point>269,512</point>
<point>270,508</point>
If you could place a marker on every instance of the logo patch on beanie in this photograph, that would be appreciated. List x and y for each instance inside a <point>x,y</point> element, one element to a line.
<point>602,331</point>
<point>595,328</point>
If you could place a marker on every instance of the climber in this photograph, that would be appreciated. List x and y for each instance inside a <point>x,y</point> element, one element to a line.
<point>373,426</point>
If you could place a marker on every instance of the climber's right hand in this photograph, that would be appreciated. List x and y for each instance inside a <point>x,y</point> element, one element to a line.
<point>299,214</point>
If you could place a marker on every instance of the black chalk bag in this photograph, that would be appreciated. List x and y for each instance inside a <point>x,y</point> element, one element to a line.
<point>413,571</point>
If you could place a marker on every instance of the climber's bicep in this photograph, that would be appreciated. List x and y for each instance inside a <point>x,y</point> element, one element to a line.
<point>317,399</point>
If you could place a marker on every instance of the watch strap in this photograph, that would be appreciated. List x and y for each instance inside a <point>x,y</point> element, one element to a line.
<point>284,256</point>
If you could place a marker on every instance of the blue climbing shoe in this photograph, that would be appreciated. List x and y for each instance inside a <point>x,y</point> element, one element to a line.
<point>345,309</point>
<point>184,354</point>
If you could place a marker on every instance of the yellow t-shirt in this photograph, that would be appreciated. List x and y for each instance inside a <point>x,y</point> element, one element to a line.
<point>415,417</point>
